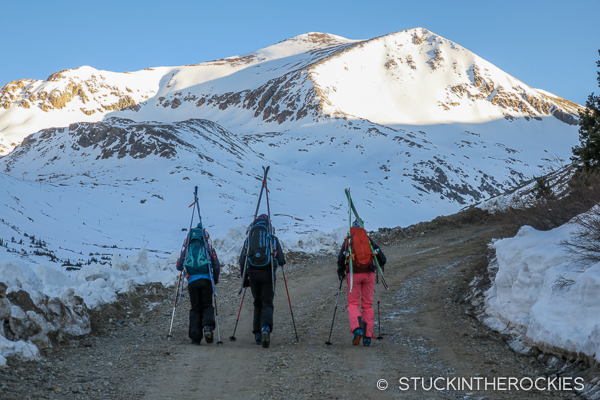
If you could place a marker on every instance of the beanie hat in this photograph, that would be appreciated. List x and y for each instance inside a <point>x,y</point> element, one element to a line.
<point>355,224</point>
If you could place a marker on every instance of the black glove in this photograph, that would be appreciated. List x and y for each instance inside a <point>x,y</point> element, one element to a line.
<point>381,266</point>
<point>246,282</point>
<point>341,273</point>
<point>216,281</point>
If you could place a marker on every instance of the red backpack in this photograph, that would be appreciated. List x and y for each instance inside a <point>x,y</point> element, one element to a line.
<point>362,255</point>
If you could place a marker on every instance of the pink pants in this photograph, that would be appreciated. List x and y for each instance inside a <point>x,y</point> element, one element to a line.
<point>362,295</point>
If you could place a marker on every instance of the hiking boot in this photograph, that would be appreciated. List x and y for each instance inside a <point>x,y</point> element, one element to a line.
<point>366,341</point>
<point>208,334</point>
<point>358,334</point>
<point>196,342</point>
<point>266,336</point>
<point>258,338</point>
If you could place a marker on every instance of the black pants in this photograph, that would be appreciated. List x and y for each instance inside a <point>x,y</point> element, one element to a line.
<point>261,285</point>
<point>202,312</point>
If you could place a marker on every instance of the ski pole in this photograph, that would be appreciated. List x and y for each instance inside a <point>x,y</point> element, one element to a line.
<point>217,318</point>
<point>232,337</point>
<point>177,297</point>
<point>290,303</point>
<point>206,244</point>
<point>378,315</point>
<point>328,342</point>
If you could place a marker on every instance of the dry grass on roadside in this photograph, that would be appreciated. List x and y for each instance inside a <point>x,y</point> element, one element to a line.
<point>583,192</point>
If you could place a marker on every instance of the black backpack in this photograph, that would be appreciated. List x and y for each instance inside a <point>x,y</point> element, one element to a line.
<point>259,244</point>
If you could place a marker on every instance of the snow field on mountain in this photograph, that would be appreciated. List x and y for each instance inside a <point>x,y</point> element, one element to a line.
<point>392,80</point>
<point>527,298</point>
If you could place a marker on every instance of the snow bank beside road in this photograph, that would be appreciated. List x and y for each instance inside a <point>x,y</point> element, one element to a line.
<point>544,296</point>
<point>47,300</point>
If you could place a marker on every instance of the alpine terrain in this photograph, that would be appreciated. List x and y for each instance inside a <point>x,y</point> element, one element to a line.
<point>98,168</point>
<point>417,125</point>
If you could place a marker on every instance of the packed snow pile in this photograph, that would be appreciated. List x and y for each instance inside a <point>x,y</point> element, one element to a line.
<point>228,247</point>
<point>45,300</point>
<point>544,295</point>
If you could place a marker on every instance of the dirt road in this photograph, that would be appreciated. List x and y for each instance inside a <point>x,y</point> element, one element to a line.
<point>428,332</point>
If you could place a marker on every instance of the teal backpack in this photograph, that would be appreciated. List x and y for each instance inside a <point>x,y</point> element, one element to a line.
<point>196,262</point>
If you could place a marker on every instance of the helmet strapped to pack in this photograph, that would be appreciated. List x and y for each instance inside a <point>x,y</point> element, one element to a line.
<point>362,255</point>
<point>259,243</point>
<point>196,262</point>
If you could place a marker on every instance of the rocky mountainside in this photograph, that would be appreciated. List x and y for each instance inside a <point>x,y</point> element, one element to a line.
<point>409,77</point>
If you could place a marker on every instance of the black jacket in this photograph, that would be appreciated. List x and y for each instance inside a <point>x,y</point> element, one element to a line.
<point>341,261</point>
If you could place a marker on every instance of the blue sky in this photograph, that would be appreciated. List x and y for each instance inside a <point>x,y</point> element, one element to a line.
<point>552,45</point>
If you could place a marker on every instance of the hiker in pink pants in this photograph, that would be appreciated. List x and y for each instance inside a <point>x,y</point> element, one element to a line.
<point>360,300</point>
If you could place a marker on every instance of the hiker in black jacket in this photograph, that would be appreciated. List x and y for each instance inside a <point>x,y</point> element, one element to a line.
<point>261,280</point>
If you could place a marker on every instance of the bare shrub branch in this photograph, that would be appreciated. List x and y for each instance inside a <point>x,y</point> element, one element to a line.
<point>561,283</point>
<point>585,240</point>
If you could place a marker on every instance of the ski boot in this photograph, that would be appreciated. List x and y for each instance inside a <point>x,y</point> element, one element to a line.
<point>208,334</point>
<point>266,336</point>
<point>358,334</point>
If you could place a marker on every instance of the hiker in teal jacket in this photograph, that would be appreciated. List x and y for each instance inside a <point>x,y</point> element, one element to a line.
<point>202,313</point>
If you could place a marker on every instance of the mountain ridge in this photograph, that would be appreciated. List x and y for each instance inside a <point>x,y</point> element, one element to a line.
<point>282,93</point>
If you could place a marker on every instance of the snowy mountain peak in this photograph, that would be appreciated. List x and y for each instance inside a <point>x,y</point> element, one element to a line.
<point>419,78</point>
<point>303,43</point>
<point>412,77</point>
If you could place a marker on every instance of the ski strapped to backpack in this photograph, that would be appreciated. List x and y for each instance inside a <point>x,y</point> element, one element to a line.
<point>198,242</point>
<point>349,242</point>
<point>272,255</point>
<point>259,248</point>
<point>180,280</point>
<point>262,187</point>
<point>362,225</point>
<point>273,251</point>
